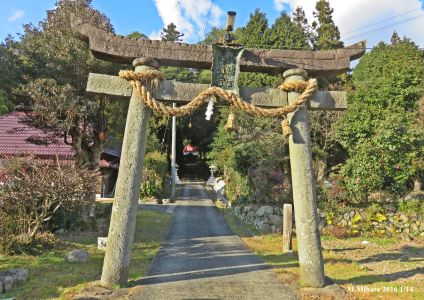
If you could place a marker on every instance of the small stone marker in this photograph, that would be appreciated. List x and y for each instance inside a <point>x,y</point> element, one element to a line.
<point>77,256</point>
<point>101,242</point>
<point>11,277</point>
<point>7,282</point>
<point>287,228</point>
<point>18,275</point>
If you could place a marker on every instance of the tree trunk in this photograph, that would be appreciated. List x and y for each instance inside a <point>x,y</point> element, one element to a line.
<point>87,155</point>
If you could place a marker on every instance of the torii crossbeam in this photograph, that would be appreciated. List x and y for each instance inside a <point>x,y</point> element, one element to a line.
<point>148,55</point>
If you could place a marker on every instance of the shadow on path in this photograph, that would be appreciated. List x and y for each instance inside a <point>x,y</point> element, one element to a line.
<point>202,258</point>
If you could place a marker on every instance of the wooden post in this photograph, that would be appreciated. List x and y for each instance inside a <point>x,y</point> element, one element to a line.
<point>287,228</point>
<point>304,191</point>
<point>124,212</point>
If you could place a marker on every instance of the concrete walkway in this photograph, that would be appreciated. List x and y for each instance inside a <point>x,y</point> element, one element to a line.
<point>203,259</point>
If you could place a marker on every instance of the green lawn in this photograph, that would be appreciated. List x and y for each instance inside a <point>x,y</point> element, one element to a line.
<point>388,264</point>
<point>50,277</point>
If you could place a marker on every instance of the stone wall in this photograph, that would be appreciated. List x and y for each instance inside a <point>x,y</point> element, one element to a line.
<point>264,218</point>
<point>360,220</point>
<point>269,219</point>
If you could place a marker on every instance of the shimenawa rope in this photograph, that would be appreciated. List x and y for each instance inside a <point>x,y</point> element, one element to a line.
<point>138,79</point>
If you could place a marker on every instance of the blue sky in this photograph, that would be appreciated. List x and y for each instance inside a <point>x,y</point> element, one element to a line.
<point>355,18</point>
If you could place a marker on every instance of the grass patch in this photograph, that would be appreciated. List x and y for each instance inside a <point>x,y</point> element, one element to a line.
<point>381,241</point>
<point>385,263</point>
<point>50,277</point>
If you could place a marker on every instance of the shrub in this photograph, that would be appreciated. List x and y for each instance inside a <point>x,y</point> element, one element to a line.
<point>154,173</point>
<point>412,206</point>
<point>32,195</point>
<point>236,187</point>
<point>35,245</point>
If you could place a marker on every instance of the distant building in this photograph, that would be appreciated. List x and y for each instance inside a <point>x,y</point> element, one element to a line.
<point>19,138</point>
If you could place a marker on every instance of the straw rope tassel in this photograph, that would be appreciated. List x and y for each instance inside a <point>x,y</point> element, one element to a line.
<point>285,125</point>
<point>230,121</point>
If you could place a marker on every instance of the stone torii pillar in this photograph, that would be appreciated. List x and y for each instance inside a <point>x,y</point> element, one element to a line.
<point>304,192</point>
<point>117,260</point>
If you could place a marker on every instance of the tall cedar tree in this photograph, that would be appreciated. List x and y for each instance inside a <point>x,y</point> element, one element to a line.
<point>300,20</point>
<point>328,34</point>
<point>284,33</point>
<point>252,35</point>
<point>171,34</point>
<point>395,39</point>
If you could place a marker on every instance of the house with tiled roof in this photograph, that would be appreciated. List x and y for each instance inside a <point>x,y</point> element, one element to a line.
<point>19,138</point>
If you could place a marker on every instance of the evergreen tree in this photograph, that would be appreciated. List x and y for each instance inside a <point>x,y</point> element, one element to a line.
<point>138,35</point>
<point>171,34</point>
<point>395,39</point>
<point>328,34</point>
<point>284,33</point>
<point>300,20</point>
<point>252,35</point>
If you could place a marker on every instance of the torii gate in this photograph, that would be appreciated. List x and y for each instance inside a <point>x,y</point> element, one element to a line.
<point>149,55</point>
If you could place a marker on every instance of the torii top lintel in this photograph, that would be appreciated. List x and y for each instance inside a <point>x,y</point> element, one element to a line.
<point>108,46</point>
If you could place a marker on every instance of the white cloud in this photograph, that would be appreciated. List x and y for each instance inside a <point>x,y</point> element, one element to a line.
<point>154,35</point>
<point>351,15</point>
<point>279,4</point>
<point>188,15</point>
<point>17,14</point>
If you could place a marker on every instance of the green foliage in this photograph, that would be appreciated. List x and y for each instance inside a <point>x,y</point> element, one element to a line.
<point>178,74</point>
<point>253,34</point>
<point>171,34</point>
<point>10,75</point>
<point>154,173</point>
<point>138,35</point>
<point>56,105</point>
<point>380,131</point>
<point>4,104</point>
<point>300,20</point>
<point>257,79</point>
<point>252,158</point>
<point>390,75</point>
<point>214,36</point>
<point>412,206</point>
<point>328,34</point>
<point>52,53</point>
<point>284,33</point>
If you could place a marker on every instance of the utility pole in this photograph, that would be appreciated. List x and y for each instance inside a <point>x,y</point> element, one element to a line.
<point>173,155</point>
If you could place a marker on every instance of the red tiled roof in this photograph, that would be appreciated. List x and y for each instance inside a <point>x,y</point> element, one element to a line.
<point>18,138</point>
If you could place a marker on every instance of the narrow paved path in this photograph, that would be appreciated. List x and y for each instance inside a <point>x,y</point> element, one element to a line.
<point>203,259</point>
